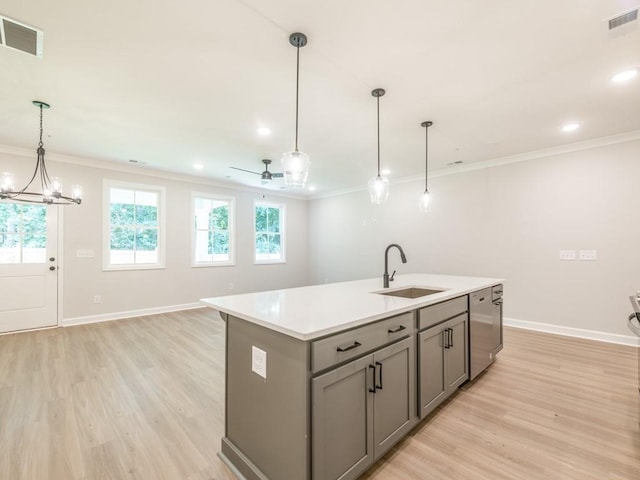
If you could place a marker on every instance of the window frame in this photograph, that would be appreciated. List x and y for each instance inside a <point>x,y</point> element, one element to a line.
<point>283,224</point>
<point>231,229</point>
<point>106,225</point>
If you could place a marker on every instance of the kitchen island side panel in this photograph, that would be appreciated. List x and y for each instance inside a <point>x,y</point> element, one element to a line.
<point>268,419</point>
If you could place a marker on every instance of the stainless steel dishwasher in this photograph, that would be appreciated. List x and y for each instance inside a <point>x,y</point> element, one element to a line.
<point>485,328</point>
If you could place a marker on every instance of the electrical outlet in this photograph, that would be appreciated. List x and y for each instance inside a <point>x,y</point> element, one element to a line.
<point>259,361</point>
<point>567,254</point>
<point>588,255</point>
<point>97,299</point>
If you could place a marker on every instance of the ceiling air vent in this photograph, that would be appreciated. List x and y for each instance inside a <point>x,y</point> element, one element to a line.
<point>621,24</point>
<point>19,36</point>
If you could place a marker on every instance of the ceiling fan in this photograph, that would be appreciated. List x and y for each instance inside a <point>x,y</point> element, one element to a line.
<point>266,175</point>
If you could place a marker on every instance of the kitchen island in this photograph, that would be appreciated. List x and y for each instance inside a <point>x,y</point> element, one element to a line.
<point>322,380</point>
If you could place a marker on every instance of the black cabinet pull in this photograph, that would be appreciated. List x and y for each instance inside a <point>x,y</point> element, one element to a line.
<point>397,329</point>
<point>379,387</point>
<point>350,347</point>
<point>445,339</point>
<point>373,378</point>
<point>450,337</point>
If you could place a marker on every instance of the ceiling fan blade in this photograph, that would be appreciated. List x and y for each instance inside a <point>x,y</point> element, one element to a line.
<point>243,170</point>
<point>277,175</point>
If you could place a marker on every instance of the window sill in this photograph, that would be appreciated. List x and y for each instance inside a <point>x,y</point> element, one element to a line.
<point>216,264</point>
<point>122,268</point>
<point>268,262</point>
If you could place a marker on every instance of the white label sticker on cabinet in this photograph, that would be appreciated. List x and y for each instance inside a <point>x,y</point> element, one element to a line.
<point>259,361</point>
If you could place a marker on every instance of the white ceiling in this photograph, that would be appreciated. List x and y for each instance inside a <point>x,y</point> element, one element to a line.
<point>172,83</point>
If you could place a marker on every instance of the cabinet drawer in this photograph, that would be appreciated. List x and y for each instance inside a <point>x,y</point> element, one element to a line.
<point>433,314</point>
<point>343,346</point>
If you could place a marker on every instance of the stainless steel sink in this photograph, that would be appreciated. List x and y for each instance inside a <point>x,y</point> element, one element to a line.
<point>411,292</point>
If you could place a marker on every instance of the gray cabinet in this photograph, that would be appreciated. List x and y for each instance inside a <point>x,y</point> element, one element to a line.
<point>442,362</point>
<point>359,410</point>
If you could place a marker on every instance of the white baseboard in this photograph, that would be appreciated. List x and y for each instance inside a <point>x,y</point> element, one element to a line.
<point>107,317</point>
<point>572,332</point>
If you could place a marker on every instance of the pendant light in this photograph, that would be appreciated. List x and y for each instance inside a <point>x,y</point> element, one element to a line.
<point>295,165</point>
<point>51,187</point>
<point>425,198</point>
<point>378,185</point>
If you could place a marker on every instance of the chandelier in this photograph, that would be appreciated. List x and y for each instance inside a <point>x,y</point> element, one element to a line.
<point>50,187</point>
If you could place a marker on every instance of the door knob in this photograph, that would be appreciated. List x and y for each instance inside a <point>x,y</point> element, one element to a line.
<point>52,267</point>
<point>52,259</point>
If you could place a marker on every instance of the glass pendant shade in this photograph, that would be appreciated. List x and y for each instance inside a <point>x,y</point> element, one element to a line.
<point>378,190</point>
<point>295,167</point>
<point>425,200</point>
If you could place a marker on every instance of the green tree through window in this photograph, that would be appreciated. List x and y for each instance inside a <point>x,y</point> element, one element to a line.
<point>23,233</point>
<point>133,226</point>
<point>213,230</point>
<point>268,232</point>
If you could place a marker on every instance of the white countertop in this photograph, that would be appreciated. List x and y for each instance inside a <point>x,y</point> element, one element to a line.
<point>310,312</point>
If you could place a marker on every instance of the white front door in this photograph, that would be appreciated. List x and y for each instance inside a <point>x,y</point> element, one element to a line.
<point>28,266</point>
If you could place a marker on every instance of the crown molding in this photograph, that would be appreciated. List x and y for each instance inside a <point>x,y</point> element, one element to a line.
<point>147,171</point>
<point>497,162</point>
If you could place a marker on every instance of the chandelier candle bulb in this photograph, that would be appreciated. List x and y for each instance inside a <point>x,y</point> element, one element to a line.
<point>7,182</point>
<point>76,192</point>
<point>56,186</point>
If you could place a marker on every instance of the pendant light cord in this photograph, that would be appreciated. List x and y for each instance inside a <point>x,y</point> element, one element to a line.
<point>426,158</point>
<point>297,89</point>
<point>378,101</point>
<point>426,126</point>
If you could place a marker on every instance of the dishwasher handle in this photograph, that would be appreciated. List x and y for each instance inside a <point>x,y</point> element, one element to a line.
<point>634,328</point>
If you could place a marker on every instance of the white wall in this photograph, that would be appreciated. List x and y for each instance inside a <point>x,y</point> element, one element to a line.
<point>178,283</point>
<point>506,221</point>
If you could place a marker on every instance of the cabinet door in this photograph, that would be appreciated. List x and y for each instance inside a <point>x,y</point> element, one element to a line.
<point>456,361</point>
<point>432,386</point>
<point>394,411</point>
<point>342,422</point>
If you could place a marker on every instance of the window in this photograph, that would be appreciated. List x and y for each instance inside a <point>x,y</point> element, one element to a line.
<point>23,233</point>
<point>268,221</point>
<point>134,221</point>
<point>213,230</point>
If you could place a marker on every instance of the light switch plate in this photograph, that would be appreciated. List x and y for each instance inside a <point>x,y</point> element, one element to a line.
<point>259,361</point>
<point>567,254</point>
<point>588,255</point>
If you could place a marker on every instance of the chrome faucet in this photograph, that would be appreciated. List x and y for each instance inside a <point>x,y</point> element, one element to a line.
<point>385,278</point>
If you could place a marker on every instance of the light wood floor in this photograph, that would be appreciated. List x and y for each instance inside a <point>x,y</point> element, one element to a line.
<point>143,399</point>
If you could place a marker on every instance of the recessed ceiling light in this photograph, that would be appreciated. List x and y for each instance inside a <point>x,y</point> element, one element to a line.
<point>625,76</point>
<point>264,131</point>
<point>198,166</point>
<point>385,171</point>
<point>570,127</point>
<point>312,188</point>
